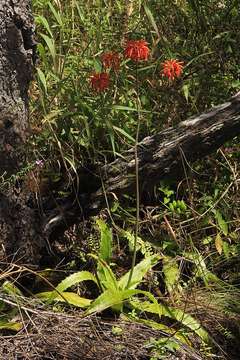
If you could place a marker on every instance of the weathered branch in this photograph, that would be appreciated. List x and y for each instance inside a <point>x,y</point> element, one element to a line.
<point>160,156</point>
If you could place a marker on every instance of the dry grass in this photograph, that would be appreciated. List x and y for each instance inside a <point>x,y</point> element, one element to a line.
<point>48,335</point>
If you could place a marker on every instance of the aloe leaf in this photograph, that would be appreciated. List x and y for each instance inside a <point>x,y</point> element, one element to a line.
<point>69,281</point>
<point>67,297</point>
<point>172,313</point>
<point>74,279</point>
<point>106,276</point>
<point>158,326</point>
<point>139,272</point>
<point>111,298</point>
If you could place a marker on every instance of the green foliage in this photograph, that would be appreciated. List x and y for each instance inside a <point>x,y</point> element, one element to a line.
<point>105,252</point>
<point>172,313</point>
<point>171,274</point>
<point>190,230</point>
<point>116,293</point>
<point>160,348</point>
<point>71,42</point>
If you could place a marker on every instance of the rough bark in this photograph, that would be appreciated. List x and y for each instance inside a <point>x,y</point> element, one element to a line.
<point>19,234</point>
<point>16,51</point>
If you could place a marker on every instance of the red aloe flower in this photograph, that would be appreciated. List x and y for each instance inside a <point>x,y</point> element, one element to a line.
<point>172,68</point>
<point>111,60</point>
<point>100,81</point>
<point>137,50</point>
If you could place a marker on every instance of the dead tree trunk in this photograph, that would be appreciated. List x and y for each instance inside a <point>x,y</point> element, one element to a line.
<point>18,222</point>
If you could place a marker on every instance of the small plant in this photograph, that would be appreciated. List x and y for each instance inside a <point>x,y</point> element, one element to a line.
<point>119,294</point>
<point>160,348</point>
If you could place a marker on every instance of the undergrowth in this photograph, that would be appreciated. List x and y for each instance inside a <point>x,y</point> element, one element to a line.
<point>184,279</point>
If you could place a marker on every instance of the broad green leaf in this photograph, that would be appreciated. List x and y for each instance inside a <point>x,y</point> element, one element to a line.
<point>219,244</point>
<point>8,325</point>
<point>200,265</point>
<point>97,66</point>
<point>105,252</point>
<point>67,297</point>
<point>107,299</point>
<point>117,330</point>
<point>175,314</point>
<point>74,279</point>
<point>138,272</point>
<point>158,326</point>
<point>51,117</point>
<point>69,281</point>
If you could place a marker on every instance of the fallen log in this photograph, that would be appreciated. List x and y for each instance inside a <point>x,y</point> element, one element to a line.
<point>159,157</point>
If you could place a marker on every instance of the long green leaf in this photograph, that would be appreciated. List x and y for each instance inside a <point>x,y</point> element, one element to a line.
<point>51,46</point>
<point>221,222</point>
<point>127,108</point>
<point>111,298</point>
<point>42,20</point>
<point>172,313</point>
<point>56,14</point>
<point>124,133</point>
<point>151,19</point>
<point>139,272</point>
<point>105,275</point>
<point>159,326</point>
<point>74,279</point>
<point>67,297</point>
<point>42,79</point>
<point>105,252</point>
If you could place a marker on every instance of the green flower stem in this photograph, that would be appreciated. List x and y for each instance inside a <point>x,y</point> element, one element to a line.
<point>137,186</point>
